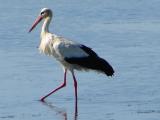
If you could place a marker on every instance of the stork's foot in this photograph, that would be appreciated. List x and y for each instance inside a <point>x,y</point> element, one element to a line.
<point>42,100</point>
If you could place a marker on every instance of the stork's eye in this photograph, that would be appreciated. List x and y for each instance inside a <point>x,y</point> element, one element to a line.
<point>42,13</point>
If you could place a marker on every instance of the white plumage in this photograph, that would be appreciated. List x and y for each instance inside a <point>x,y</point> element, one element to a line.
<point>70,54</point>
<point>61,48</point>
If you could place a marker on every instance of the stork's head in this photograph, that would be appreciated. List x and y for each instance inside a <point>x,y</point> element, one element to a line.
<point>45,12</point>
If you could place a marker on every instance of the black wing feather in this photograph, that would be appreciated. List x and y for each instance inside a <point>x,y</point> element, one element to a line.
<point>93,61</point>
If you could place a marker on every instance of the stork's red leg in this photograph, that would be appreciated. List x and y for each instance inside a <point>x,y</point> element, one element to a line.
<point>61,86</point>
<point>76,95</point>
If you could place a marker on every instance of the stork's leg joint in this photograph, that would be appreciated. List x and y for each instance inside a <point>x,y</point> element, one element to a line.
<point>64,84</point>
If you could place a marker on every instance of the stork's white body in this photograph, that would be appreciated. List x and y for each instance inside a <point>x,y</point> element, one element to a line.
<point>60,48</point>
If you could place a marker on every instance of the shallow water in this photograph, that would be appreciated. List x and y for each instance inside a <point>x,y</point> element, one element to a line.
<point>125,33</point>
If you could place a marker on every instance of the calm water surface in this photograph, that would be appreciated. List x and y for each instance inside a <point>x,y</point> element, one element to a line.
<point>126,33</point>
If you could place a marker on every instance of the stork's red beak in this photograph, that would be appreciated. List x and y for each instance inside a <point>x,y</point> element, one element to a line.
<point>39,18</point>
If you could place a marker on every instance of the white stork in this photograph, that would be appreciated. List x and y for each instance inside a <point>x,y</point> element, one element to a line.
<point>72,55</point>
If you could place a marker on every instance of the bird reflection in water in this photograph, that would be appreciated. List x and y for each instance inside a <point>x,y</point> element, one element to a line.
<point>61,112</point>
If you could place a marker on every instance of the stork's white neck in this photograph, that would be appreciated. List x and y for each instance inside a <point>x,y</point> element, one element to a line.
<point>45,26</point>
